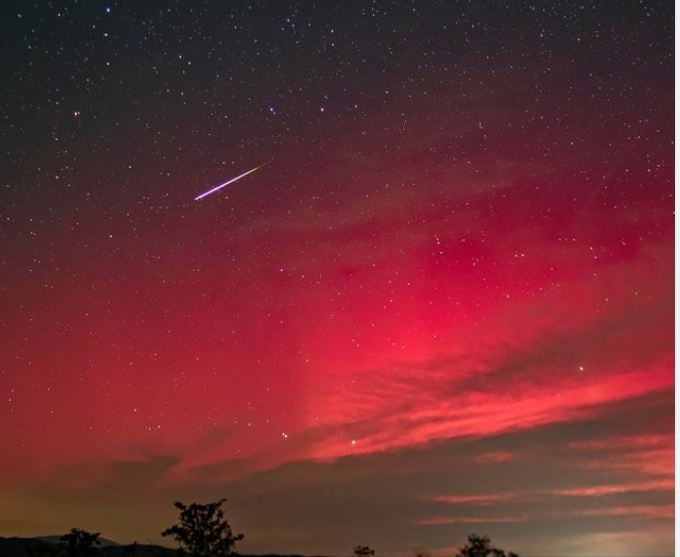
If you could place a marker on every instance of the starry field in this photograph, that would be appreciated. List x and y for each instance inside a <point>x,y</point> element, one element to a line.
<point>443,303</point>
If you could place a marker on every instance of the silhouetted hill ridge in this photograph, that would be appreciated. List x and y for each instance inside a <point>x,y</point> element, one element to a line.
<point>38,546</point>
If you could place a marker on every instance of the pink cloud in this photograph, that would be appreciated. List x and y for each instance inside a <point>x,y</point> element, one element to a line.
<point>651,511</point>
<point>442,520</point>
<point>478,499</point>
<point>600,490</point>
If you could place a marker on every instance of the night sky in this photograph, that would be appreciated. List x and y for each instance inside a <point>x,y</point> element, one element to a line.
<point>443,305</point>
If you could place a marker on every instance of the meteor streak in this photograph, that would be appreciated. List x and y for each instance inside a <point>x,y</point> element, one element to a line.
<point>213,190</point>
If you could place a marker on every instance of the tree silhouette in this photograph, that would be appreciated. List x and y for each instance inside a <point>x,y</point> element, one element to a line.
<point>78,543</point>
<point>481,547</point>
<point>363,551</point>
<point>202,530</point>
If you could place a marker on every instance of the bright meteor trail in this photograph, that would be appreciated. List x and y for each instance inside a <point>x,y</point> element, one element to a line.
<point>216,188</point>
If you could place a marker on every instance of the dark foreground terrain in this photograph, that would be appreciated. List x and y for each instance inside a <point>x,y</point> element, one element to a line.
<point>46,546</point>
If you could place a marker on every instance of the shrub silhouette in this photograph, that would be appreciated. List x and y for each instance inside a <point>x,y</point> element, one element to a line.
<point>363,551</point>
<point>202,530</point>
<point>481,547</point>
<point>78,543</point>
